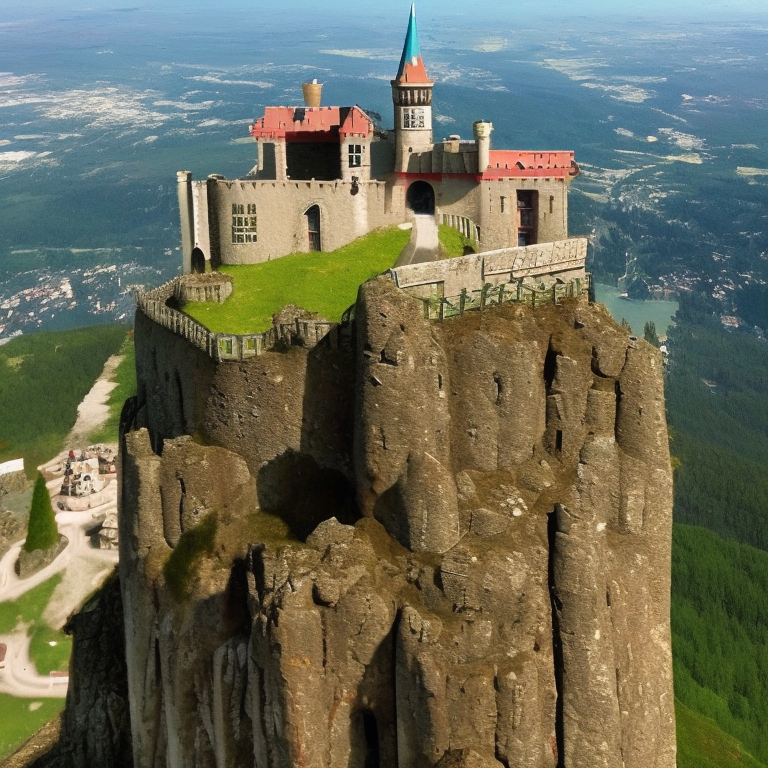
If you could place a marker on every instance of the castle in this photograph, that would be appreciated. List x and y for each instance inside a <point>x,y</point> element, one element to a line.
<point>396,541</point>
<point>328,175</point>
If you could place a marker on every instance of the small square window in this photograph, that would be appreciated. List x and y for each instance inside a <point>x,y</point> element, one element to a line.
<point>355,155</point>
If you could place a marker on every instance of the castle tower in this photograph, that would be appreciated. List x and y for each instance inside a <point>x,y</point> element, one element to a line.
<point>412,99</point>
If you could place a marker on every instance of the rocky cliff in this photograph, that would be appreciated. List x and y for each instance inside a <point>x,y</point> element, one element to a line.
<point>448,545</point>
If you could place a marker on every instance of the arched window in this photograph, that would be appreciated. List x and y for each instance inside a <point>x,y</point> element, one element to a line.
<point>313,227</point>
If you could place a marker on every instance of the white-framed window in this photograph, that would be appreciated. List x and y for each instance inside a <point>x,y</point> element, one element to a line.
<point>244,223</point>
<point>355,155</point>
<point>413,117</point>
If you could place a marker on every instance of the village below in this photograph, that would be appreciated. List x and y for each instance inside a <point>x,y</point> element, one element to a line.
<point>58,544</point>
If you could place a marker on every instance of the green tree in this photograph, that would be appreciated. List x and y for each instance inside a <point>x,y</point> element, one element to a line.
<point>42,532</point>
<point>625,325</point>
<point>650,335</point>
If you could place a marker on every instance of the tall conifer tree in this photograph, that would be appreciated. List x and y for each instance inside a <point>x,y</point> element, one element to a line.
<point>42,532</point>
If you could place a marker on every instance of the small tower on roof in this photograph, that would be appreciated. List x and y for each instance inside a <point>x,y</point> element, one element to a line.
<point>412,99</point>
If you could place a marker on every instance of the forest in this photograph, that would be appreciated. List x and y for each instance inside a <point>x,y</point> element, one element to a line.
<point>716,409</point>
<point>716,386</point>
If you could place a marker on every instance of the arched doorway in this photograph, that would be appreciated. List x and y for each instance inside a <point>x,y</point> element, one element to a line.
<point>421,197</point>
<point>197,262</point>
<point>313,227</point>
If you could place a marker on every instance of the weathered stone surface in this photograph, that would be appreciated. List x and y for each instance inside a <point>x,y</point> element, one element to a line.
<point>464,561</point>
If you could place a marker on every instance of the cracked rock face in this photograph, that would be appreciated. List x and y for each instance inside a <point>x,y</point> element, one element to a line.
<point>485,581</point>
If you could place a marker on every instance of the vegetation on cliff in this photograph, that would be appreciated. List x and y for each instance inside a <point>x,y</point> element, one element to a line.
<point>320,282</point>
<point>194,544</point>
<point>43,378</point>
<point>42,532</point>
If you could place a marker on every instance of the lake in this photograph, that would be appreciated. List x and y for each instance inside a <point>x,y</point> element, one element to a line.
<point>636,313</point>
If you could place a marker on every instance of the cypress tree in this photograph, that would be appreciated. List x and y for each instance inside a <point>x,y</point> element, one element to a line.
<point>42,532</point>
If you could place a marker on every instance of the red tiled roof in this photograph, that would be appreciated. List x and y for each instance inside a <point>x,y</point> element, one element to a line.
<point>508,163</point>
<point>282,122</point>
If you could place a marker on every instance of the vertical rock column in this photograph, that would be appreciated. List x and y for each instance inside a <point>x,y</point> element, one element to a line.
<point>141,531</point>
<point>402,452</point>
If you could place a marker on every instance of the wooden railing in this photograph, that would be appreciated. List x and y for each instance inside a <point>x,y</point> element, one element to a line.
<point>441,308</point>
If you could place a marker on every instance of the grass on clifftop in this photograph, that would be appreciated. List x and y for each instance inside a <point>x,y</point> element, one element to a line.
<point>320,282</point>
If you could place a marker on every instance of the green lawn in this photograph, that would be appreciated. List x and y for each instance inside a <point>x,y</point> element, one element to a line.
<point>23,717</point>
<point>326,283</point>
<point>29,607</point>
<point>49,658</point>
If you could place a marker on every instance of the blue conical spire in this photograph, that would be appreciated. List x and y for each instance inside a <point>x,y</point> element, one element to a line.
<point>411,69</point>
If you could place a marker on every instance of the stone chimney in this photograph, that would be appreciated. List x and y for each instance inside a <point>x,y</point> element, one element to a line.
<point>312,93</point>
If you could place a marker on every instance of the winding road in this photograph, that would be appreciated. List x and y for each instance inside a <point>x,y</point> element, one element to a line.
<point>84,569</point>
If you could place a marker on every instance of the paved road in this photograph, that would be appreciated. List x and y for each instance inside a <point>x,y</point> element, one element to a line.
<point>424,244</point>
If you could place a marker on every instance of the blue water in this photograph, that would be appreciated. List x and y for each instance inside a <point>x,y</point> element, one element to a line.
<point>637,313</point>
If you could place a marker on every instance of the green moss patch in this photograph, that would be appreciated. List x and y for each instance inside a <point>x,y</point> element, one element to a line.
<point>325,283</point>
<point>181,566</point>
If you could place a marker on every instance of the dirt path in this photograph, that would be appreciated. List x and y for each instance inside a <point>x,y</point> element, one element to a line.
<point>93,412</point>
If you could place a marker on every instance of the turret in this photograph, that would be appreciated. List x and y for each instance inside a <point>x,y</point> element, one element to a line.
<point>412,99</point>
<point>482,131</point>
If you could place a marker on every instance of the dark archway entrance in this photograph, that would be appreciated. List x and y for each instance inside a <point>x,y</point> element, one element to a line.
<point>313,227</point>
<point>421,197</point>
<point>197,261</point>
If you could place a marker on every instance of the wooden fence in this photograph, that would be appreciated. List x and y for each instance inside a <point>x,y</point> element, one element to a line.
<point>441,308</point>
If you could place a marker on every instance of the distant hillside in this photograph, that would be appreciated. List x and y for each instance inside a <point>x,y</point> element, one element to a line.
<point>716,408</point>
<point>701,744</point>
<point>43,378</point>
<point>720,633</point>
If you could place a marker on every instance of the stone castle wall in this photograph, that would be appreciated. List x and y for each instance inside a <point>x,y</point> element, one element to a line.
<point>534,264</point>
<point>347,212</point>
